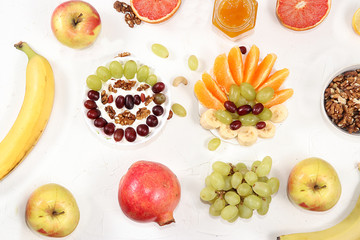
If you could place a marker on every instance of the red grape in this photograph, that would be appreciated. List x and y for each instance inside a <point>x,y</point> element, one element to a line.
<point>152,121</point>
<point>120,102</point>
<point>93,95</point>
<point>243,49</point>
<point>235,125</point>
<point>257,108</point>
<point>137,99</point>
<point>100,122</point>
<point>158,110</point>
<point>261,125</point>
<point>130,134</point>
<point>230,106</point>
<point>90,104</point>
<point>244,109</point>
<point>118,134</point>
<point>158,87</point>
<point>129,101</point>
<point>93,113</point>
<point>142,130</point>
<point>159,98</point>
<point>109,129</point>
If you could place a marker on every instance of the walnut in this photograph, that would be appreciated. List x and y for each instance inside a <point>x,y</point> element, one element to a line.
<point>112,89</point>
<point>142,113</point>
<point>148,100</point>
<point>110,110</point>
<point>104,97</point>
<point>130,18</point>
<point>125,118</point>
<point>143,87</point>
<point>123,54</point>
<point>125,85</point>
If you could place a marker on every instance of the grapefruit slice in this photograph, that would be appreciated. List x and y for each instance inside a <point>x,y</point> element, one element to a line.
<point>222,73</point>
<point>275,80</point>
<point>236,64</point>
<point>205,97</point>
<point>302,15</point>
<point>251,63</point>
<point>211,85</point>
<point>263,70</point>
<point>154,11</point>
<point>279,97</point>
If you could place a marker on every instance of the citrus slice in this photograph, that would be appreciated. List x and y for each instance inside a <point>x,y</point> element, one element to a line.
<point>356,21</point>
<point>212,86</point>
<point>279,97</point>
<point>251,63</point>
<point>154,11</point>
<point>302,15</point>
<point>236,64</point>
<point>205,97</point>
<point>263,70</point>
<point>275,80</point>
<point>222,73</point>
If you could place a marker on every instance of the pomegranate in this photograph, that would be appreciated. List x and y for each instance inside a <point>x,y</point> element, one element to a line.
<point>149,192</point>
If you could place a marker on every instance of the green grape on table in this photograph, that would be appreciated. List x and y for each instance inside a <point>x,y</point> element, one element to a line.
<point>244,190</point>
<point>232,198</point>
<point>94,82</point>
<point>217,180</point>
<point>213,211</point>
<point>193,63</point>
<point>234,93</point>
<point>142,73</point>
<point>265,115</point>
<point>263,209</point>
<point>223,116</point>
<point>229,212</point>
<point>251,177</point>
<point>253,202</point>
<point>221,167</point>
<point>116,69</point>
<point>264,167</point>
<point>264,95</point>
<point>103,73</point>
<point>262,189</point>
<point>214,144</point>
<point>207,194</point>
<point>151,80</point>
<point>247,91</point>
<point>274,184</point>
<point>159,50</point>
<point>130,69</point>
<point>245,212</point>
<point>227,183</point>
<point>219,204</point>
<point>178,110</point>
<point>254,165</point>
<point>248,119</point>
<point>236,179</point>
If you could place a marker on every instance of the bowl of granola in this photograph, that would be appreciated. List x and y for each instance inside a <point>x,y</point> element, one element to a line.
<point>341,100</point>
<point>126,102</point>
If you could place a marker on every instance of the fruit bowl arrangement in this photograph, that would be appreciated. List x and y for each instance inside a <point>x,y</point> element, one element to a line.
<point>125,102</point>
<point>243,99</point>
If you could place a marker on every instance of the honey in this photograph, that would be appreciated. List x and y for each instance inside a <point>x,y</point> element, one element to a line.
<point>235,18</point>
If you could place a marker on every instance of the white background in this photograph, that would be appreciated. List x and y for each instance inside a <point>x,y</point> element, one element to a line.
<point>69,154</point>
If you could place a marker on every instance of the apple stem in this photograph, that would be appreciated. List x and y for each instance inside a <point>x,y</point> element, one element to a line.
<point>78,19</point>
<point>55,213</point>
<point>23,46</point>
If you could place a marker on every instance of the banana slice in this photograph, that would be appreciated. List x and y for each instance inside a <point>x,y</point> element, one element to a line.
<point>279,113</point>
<point>208,120</point>
<point>226,133</point>
<point>247,135</point>
<point>268,131</point>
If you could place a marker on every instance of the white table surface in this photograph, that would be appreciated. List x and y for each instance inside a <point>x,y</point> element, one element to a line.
<point>71,155</point>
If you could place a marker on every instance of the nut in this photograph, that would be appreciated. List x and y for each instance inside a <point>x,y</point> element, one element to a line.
<point>178,80</point>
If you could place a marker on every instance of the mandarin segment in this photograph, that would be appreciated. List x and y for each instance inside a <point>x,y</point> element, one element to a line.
<point>222,73</point>
<point>275,80</point>
<point>263,70</point>
<point>205,97</point>
<point>236,64</point>
<point>251,63</point>
<point>212,86</point>
<point>279,97</point>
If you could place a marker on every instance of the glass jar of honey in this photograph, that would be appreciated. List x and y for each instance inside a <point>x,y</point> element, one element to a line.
<point>235,18</point>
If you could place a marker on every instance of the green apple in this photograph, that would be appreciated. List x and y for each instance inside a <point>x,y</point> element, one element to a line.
<point>52,211</point>
<point>76,24</point>
<point>314,185</point>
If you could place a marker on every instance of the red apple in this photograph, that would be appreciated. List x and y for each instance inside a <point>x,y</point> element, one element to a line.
<point>314,185</point>
<point>76,24</point>
<point>52,211</point>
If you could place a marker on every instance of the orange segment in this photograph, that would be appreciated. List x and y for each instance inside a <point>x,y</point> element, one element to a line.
<point>275,80</point>
<point>222,73</point>
<point>251,63</point>
<point>263,70</point>
<point>205,97</point>
<point>211,85</point>
<point>236,64</point>
<point>280,97</point>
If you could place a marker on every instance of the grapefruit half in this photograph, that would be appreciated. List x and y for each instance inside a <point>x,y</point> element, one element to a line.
<point>302,15</point>
<point>154,11</point>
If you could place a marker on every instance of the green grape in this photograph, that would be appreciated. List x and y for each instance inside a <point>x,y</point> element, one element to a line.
<point>232,198</point>
<point>213,211</point>
<point>221,167</point>
<point>263,209</point>
<point>94,82</point>
<point>151,80</point>
<point>265,115</point>
<point>236,179</point>
<point>244,190</point>
<point>116,69</point>
<point>208,181</point>
<point>193,63</point>
<point>217,180</point>
<point>219,204</point>
<point>213,200</point>
<point>264,167</point>
<point>251,103</point>
<point>248,119</point>
<point>214,144</point>
<point>255,165</point>
<point>248,91</point>
<point>263,179</point>
<point>143,73</point>
<point>267,199</point>
<point>245,212</point>
<point>264,95</point>
<point>229,212</point>
<point>234,93</point>
<point>207,193</point>
<point>274,184</point>
<point>262,189</point>
<point>250,177</point>
<point>241,101</point>
<point>223,116</point>
<point>130,69</point>
<point>159,50</point>
<point>242,168</point>
<point>233,219</point>
<point>252,201</point>
<point>103,73</point>
<point>178,110</point>
<point>235,116</point>
<point>227,183</point>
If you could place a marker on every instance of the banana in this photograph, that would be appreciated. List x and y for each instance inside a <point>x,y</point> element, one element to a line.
<point>347,229</point>
<point>208,119</point>
<point>247,135</point>
<point>279,113</point>
<point>34,113</point>
<point>226,133</point>
<point>268,131</point>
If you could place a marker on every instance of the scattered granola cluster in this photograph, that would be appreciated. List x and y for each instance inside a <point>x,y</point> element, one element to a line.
<point>130,18</point>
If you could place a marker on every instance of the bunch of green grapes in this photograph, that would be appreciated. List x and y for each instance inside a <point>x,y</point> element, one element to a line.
<point>236,191</point>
